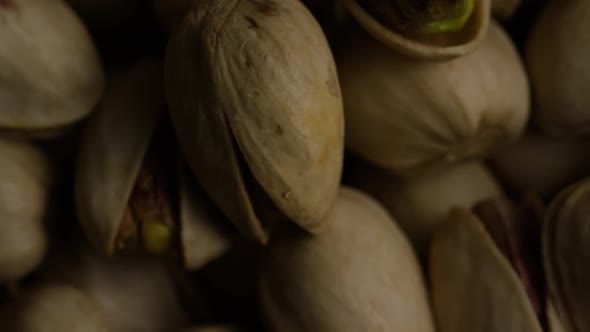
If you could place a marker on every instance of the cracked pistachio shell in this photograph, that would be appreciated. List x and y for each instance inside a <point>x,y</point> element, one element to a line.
<point>135,293</point>
<point>557,57</point>
<point>567,255</point>
<point>420,204</point>
<point>50,72</point>
<point>361,274</point>
<point>542,164</point>
<point>24,198</point>
<point>255,100</point>
<point>54,307</point>
<point>408,115</point>
<point>474,287</point>
<point>112,150</point>
<point>458,44</point>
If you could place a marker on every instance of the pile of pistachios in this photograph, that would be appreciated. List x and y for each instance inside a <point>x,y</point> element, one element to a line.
<point>294,165</point>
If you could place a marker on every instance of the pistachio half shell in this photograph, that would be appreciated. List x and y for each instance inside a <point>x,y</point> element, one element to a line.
<point>567,256</point>
<point>408,115</point>
<point>54,307</point>
<point>420,204</point>
<point>474,286</point>
<point>361,274</point>
<point>451,45</point>
<point>256,104</point>
<point>557,57</point>
<point>24,203</point>
<point>50,72</point>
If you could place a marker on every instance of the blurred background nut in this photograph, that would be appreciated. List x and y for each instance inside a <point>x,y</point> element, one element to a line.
<point>557,57</point>
<point>361,274</point>
<point>255,100</point>
<point>409,116</point>
<point>50,72</point>
<point>24,204</point>
<point>420,204</point>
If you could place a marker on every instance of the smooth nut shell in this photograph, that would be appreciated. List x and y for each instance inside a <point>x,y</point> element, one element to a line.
<point>359,275</point>
<point>54,307</point>
<point>469,39</point>
<point>24,198</point>
<point>420,204</point>
<point>253,84</point>
<point>542,164</point>
<point>50,72</point>
<point>474,287</point>
<point>112,150</point>
<point>409,115</point>
<point>567,256</point>
<point>557,57</point>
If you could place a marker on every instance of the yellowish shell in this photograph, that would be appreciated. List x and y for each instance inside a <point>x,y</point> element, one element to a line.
<point>361,274</point>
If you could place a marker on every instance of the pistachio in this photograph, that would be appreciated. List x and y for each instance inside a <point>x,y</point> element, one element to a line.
<point>427,29</point>
<point>408,115</point>
<point>420,204</point>
<point>256,104</point>
<point>54,307</point>
<point>50,73</point>
<point>24,198</point>
<point>359,275</point>
<point>565,245</point>
<point>542,164</point>
<point>133,292</point>
<point>557,57</point>
<point>486,269</point>
<point>129,191</point>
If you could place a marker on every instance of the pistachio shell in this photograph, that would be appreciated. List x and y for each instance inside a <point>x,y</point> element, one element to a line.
<point>50,72</point>
<point>202,239</point>
<point>567,255</point>
<point>542,164</point>
<point>409,115</point>
<point>557,57</point>
<point>135,293</point>
<point>420,204</point>
<point>55,307</point>
<point>468,39</point>
<point>113,148</point>
<point>252,87</point>
<point>359,275</point>
<point>474,287</point>
<point>24,198</point>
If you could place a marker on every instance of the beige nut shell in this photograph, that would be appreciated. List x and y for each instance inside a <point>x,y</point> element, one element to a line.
<point>408,115</point>
<point>24,202</point>
<point>361,274</point>
<point>50,71</point>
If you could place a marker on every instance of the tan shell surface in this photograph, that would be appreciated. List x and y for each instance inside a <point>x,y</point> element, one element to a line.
<point>113,148</point>
<point>466,41</point>
<point>24,198</point>
<point>422,203</point>
<point>50,72</point>
<point>135,293</point>
<point>359,275</point>
<point>256,79</point>
<point>557,57</point>
<point>542,164</point>
<point>474,287</point>
<point>567,256</point>
<point>202,236</point>
<point>409,115</point>
<point>55,307</point>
